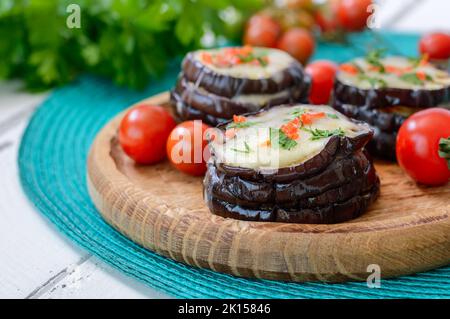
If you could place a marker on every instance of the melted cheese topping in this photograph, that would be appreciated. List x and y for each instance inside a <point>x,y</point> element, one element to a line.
<point>249,146</point>
<point>278,61</point>
<point>440,79</point>
<point>256,99</point>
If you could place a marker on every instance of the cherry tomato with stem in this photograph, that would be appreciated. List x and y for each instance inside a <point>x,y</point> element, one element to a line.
<point>423,146</point>
<point>143,133</point>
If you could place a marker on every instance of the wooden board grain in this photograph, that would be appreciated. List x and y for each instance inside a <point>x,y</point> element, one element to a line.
<point>406,231</point>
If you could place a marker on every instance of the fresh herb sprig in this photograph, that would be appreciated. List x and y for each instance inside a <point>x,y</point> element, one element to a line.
<point>444,150</point>
<point>373,81</point>
<point>374,58</point>
<point>413,78</point>
<point>245,124</point>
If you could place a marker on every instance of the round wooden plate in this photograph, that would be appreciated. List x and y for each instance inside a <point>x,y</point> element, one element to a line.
<point>406,230</point>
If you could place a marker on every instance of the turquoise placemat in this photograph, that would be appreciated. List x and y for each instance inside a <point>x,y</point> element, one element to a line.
<point>52,163</point>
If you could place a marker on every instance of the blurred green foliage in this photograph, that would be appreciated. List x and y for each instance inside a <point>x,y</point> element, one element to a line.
<point>127,41</point>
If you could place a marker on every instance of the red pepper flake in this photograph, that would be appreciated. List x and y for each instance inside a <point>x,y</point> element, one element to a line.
<point>290,129</point>
<point>421,75</point>
<point>349,68</point>
<point>239,119</point>
<point>308,118</point>
<point>207,58</point>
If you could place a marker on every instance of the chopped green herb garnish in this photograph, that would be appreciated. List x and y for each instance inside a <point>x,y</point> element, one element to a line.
<point>414,79</point>
<point>283,140</point>
<point>262,61</point>
<point>332,116</point>
<point>414,61</point>
<point>317,134</point>
<point>298,112</point>
<point>241,124</point>
<point>374,58</point>
<point>247,149</point>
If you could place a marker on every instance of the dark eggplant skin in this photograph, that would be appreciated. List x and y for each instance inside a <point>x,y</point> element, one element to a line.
<point>239,191</point>
<point>336,148</point>
<point>184,112</point>
<point>386,122</point>
<point>385,97</point>
<point>383,145</point>
<point>227,86</point>
<point>329,214</point>
<point>224,107</point>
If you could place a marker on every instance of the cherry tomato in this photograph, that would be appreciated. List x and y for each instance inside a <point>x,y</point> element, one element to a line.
<point>143,133</point>
<point>353,14</point>
<point>436,45</point>
<point>322,74</point>
<point>262,31</point>
<point>297,42</point>
<point>326,16</point>
<point>418,146</point>
<point>187,147</point>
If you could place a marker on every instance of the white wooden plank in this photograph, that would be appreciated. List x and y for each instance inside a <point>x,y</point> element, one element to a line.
<point>37,261</point>
<point>31,250</point>
<point>94,279</point>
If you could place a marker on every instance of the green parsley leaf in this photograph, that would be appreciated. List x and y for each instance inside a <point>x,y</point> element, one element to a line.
<point>317,134</point>
<point>374,58</point>
<point>247,149</point>
<point>241,124</point>
<point>444,150</point>
<point>332,116</point>
<point>414,79</point>
<point>374,82</point>
<point>277,137</point>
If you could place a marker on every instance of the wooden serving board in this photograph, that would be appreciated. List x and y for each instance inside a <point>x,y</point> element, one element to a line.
<point>407,230</point>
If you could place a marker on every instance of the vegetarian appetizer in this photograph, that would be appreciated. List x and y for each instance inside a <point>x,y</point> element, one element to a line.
<point>294,164</point>
<point>384,91</point>
<point>216,84</point>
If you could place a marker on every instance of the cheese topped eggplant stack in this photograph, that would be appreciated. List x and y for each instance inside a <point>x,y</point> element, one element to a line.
<point>295,164</point>
<point>384,91</point>
<point>218,83</point>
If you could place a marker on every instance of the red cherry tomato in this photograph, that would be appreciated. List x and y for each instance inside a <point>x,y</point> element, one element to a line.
<point>326,17</point>
<point>418,146</point>
<point>322,74</point>
<point>297,42</point>
<point>187,147</point>
<point>353,14</point>
<point>143,133</point>
<point>262,31</point>
<point>436,45</point>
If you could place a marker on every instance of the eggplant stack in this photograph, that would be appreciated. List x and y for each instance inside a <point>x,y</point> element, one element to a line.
<point>216,84</point>
<point>385,91</point>
<point>292,164</point>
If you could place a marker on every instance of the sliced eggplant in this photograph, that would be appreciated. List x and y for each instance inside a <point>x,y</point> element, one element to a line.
<point>329,214</point>
<point>339,173</point>
<point>224,107</point>
<point>391,81</point>
<point>314,156</point>
<point>280,72</point>
<point>322,176</point>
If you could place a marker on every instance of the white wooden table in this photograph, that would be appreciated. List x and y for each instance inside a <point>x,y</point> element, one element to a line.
<point>38,262</point>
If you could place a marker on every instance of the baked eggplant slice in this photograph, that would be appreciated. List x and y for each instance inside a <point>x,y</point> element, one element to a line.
<point>229,72</point>
<point>224,107</point>
<point>391,81</point>
<point>219,83</point>
<point>299,160</point>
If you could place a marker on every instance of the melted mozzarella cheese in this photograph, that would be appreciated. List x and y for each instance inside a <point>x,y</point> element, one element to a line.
<point>440,80</point>
<point>249,147</point>
<point>278,61</point>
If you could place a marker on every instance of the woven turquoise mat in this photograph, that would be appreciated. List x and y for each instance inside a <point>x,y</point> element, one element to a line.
<point>52,162</point>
